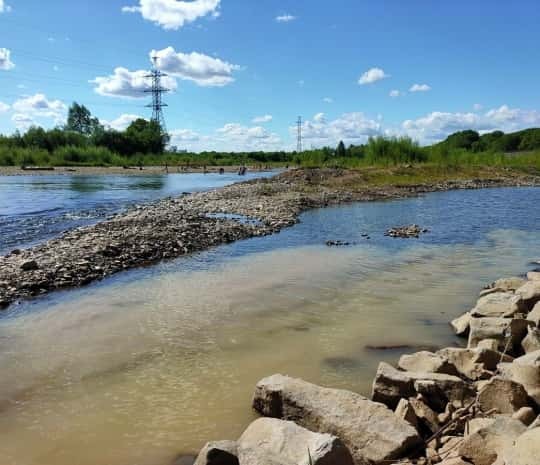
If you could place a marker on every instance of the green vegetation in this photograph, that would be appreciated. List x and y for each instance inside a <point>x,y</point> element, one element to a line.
<point>84,141</point>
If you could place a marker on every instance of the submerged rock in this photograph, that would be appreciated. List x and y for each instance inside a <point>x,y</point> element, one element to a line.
<point>370,430</point>
<point>412,230</point>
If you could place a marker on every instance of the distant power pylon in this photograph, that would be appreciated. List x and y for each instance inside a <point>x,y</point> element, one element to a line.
<point>157,91</point>
<point>299,135</point>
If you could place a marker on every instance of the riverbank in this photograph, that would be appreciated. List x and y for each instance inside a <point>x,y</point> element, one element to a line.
<point>477,405</point>
<point>177,226</point>
<point>120,170</point>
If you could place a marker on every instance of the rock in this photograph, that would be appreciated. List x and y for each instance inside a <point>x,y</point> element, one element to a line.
<point>534,315</point>
<point>405,232</point>
<point>530,292</point>
<point>218,453</point>
<point>490,344</point>
<point>184,460</point>
<point>533,276</point>
<point>466,362</point>
<point>485,445</point>
<point>372,432</point>
<point>427,362</point>
<point>504,395</point>
<point>449,449</point>
<point>508,284</point>
<point>531,343</point>
<point>426,417</point>
<point>405,411</point>
<point>268,441</point>
<point>526,449</point>
<point>504,330</point>
<point>525,370</point>
<point>500,304</point>
<point>390,385</point>
<point>454,461</point>
<point>461,324</point>
<point>29,265</point>
<point>526,415</point>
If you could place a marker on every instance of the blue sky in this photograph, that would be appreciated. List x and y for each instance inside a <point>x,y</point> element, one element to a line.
<point>242,71</point>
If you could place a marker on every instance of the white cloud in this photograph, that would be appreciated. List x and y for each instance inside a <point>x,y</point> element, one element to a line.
<point>4,107</point>
<point>122,122</point>
<point>5,59</point>
<point>352,128</point>
<point>22,122</point>
<point>197,67</point>
<point>372,75</point>
<point>439,125</point>
<point>285,18</point>
<point>128,84</point>
<point>262,119</point>
<point>231,137</point>
<point>181,137</point>
<point>420,88</point>
<point>174,14</point>
<point>395,93</point>
<point>328,100</point>
<point>4,8</point>
<point>39,105</point>
<point>37,110</point>
<point>319,118</point>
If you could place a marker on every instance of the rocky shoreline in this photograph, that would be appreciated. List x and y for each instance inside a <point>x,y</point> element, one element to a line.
<point>173,227</point>
<point>477,405</point>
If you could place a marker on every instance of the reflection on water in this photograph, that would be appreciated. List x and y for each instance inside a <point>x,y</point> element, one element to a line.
<point>155,362</point>
<point>35,208</point>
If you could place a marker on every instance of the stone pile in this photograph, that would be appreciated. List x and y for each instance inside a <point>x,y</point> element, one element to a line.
<point>476,405</point>
<point>406,232</point>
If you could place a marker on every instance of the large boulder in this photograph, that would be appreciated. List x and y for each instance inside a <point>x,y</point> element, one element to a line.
<point>530,292</point>
<point>474,364</point>
<point>371,431</point>
<point>484,446</point>
<point>531,343</point>
<point>534,315</point>
<point>405,411</point>
<point>509,284</point>
<point>525,370</point>
<point>218,453</point>
<point>461,324</point>
<point>268,441</point>
<point>526,449</point>
<point>503,395</point>
<point>533,276</point>
<point>427,362</point>
<point>509,332</point>
<point>390,385</point>
<point>499,304</point>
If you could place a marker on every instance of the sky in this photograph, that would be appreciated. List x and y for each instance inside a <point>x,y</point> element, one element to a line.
<point>240,72</point>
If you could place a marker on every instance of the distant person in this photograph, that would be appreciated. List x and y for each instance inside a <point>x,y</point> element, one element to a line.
<point>221,171</point>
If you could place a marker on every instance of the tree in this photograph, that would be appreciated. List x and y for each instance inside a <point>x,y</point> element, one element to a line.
<point>341,151</point>
<point>80,120</point>
<point>146,136</point>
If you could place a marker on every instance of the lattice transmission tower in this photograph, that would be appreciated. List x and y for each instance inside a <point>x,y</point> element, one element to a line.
<point>299,135</point>
<point>157,91</point>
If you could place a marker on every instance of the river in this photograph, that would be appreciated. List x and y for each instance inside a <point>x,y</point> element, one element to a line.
<point>36,208</point>
<point>152,363</point>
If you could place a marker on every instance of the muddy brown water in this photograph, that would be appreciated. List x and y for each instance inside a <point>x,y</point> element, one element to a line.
<point>148,366</point>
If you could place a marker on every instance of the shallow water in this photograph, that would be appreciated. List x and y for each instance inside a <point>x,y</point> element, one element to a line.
<point>35,208</point>
<point>154,362</point>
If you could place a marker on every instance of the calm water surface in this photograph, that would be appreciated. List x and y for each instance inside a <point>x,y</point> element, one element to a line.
<point>153,363</point>
<point>35,208</point>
